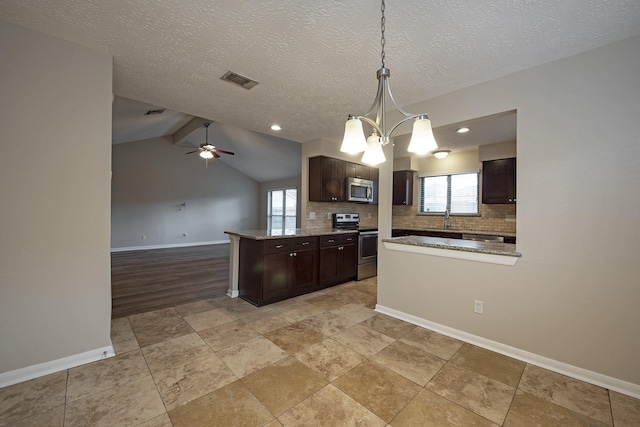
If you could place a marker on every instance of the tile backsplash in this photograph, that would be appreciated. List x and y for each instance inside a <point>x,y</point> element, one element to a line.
<point>496,218</point>
<point>323,210</point>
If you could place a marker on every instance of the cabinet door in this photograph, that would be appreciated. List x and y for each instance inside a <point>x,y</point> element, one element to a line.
<point>499,181</point>
<point>356,170</point>
<point>347,262</point>
<point>338,264</point>
<point>329,272</point>
<point>304,270</point>
<point>403,188</point>
<point>326,179</point>
<point>336,185</point>
<point>276,275</point>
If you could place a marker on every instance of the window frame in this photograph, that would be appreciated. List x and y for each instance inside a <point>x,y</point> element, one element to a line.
<point>284,215</point>
<point>421,180</point>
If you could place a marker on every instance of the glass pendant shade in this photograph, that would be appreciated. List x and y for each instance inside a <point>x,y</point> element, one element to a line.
<point>353,141</point>
<point>206,154</point>
<point>422,139</point>
<point>373,154</point>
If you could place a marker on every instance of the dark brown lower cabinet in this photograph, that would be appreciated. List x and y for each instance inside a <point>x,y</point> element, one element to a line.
<point>338,259</point>
<point>275,269</point>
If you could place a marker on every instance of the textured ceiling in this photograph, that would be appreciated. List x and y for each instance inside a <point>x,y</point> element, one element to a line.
<point>315,61</point>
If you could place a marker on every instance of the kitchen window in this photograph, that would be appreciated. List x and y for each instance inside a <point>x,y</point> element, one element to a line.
<point>281,209</point>
<point>456,193</point>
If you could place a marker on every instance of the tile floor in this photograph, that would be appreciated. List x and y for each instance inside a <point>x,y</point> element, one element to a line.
<point>322,359</point>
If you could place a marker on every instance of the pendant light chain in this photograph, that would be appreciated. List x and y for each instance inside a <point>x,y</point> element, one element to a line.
<point>382,39</point>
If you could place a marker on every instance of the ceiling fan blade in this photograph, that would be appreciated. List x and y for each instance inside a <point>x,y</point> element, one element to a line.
<point>225,151</point>
<point>194,151</point>
<point>216,155</point>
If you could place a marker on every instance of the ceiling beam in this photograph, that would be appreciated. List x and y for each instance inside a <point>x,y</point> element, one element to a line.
<point>183,133</point>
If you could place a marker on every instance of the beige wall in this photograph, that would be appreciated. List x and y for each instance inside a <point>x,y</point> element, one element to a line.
<point>151,180</point>
<point>55,163</point>
<point>573,295</point>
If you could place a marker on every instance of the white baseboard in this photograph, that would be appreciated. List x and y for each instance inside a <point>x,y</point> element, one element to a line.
<point>591,377</point>
<point>46,368</point>
<point>170,245</point>
<point>233,294</point>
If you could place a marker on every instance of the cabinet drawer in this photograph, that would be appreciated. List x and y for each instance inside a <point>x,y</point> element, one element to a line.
<point>329,240</point>
<point>304,243</point>
<point>348,239</point>
<point>277,246</point>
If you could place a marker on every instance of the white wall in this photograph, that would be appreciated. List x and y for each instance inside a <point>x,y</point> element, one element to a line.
<point>573,296</point>
<point>55,162</point>
<point>151,180</point>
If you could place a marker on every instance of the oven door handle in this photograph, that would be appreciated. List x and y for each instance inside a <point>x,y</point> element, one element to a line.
<point>368,233</point>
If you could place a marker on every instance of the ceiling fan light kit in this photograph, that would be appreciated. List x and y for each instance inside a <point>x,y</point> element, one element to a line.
<point>208,151</point>
<point>422,139</point>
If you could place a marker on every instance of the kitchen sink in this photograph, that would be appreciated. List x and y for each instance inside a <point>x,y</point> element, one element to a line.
<point>483,238</point>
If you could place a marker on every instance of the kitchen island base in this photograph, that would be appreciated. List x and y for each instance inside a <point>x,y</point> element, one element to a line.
<point>274,269</point>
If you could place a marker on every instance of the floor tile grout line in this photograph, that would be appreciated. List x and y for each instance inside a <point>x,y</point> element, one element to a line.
<point>66,388</point>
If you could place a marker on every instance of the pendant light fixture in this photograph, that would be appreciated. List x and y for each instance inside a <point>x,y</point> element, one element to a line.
<point>422,139</point>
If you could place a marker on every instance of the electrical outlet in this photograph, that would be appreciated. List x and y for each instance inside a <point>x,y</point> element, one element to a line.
<point>144,237</point>
<point>183,235</point>
<point>312,215</point>
<point>329,215</point>
<point>478,307</point>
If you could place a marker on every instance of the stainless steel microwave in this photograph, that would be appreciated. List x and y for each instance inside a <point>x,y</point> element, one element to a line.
<point>359,190</point>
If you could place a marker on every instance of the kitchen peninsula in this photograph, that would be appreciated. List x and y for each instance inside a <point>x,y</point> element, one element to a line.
<point>271,265</point>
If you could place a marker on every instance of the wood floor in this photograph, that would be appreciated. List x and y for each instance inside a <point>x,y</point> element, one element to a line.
<point>148,280</point>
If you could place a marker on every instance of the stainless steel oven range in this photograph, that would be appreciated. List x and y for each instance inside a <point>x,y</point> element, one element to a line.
<point>367,243</point>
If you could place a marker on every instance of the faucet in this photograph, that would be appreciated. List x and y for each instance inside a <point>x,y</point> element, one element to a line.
<point>447,224</point>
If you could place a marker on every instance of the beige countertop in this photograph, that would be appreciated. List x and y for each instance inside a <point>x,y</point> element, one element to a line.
<point>289,232</point>
<point>493,248</point>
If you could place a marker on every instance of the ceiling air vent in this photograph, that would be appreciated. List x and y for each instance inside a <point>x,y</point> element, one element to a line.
<point>158,111</point>
<point>239,80</point>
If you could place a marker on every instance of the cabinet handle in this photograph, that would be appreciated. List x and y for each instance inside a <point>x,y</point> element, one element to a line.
<point>332,241</point>
<point>292,254</point>
<point>295,254</point>
<point>340,248</point>
<point>305,243</point>
<point>279,246</point>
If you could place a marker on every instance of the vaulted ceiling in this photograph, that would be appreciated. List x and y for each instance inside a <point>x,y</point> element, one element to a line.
<point>315,61</point>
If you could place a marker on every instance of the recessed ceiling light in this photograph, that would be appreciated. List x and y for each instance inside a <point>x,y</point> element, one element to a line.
<point>462,130</point>
<point>276,127</point>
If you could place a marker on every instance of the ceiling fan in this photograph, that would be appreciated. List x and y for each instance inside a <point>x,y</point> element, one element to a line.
<point>208,151</point>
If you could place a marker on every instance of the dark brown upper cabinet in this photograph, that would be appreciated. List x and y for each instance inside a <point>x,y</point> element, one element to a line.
<point>326,179</point>
<point>355,170</point>
<point>499,181</point>
<point>403,188</point>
